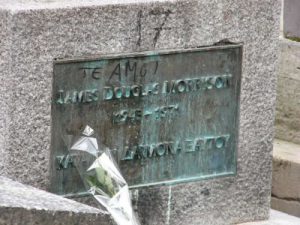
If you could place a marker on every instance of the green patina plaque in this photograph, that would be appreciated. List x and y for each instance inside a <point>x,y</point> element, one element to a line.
<point>169,116</point>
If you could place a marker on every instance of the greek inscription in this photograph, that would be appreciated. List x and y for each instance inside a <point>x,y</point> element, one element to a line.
<point>189,145</point>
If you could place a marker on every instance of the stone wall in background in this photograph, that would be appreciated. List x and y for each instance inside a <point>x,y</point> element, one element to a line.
<point>288,92</point>
<point>291,19</point>
<point>286,177</point>
<point>286,164</point>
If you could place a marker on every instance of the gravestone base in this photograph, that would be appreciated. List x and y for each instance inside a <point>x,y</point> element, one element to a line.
<point>23,204</point>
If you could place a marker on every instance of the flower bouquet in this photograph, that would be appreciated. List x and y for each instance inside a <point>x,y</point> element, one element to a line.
<point>101,177</point>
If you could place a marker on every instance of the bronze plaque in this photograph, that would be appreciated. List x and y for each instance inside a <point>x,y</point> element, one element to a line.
<point>168,116</point>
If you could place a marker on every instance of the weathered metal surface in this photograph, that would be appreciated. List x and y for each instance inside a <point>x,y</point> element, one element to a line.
<point>169,116</point>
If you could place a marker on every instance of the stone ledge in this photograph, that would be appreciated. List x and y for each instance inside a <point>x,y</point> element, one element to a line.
<point>16,5</point>
<point>286,177</point>
<point>286,205</point>
<point>22,204</point>
<point>277,218</point>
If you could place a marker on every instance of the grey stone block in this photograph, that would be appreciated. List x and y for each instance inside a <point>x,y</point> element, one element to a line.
<point>42,31</point>
<point>291,18</point>
<point>5,34</point>
<point>290,206</point>
<point>277,218</point>
<point>286,177</point>
<point>21,204</point>
<point>288,92</point>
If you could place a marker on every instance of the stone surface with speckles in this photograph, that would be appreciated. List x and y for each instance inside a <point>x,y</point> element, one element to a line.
<point>22,204</point>
<point>4,79</point>
<point>38,32</point>
<point>277,218</point>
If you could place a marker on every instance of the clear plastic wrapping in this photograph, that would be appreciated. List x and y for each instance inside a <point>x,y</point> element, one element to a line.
<point>102,177</point>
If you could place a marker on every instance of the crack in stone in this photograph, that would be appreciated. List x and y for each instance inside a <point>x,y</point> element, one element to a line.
<point>286,198</point>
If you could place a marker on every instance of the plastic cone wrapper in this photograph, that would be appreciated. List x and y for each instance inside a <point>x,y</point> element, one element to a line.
<point>101,176</point>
